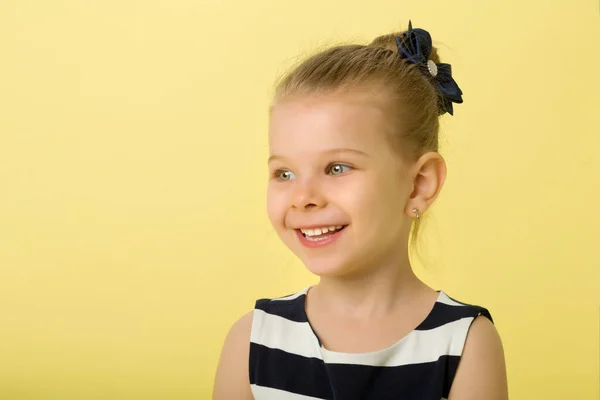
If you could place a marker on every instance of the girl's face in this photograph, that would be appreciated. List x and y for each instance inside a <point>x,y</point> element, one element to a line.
<point>331,166</point>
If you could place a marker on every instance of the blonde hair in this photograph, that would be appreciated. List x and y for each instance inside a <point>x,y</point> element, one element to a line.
<point>413,98</point>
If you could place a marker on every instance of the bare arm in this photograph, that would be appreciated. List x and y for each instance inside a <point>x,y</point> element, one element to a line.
<point>481,373</point>
<point>232,379</point>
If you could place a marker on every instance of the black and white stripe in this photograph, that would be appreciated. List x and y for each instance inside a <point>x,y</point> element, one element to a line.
<point>287,361</point>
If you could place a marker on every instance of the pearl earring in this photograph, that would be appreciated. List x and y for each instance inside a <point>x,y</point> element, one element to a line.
<point>417,213</point>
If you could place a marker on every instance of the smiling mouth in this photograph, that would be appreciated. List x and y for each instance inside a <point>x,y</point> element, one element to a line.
<point>320,233</point>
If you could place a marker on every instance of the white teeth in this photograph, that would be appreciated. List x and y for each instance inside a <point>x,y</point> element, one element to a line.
<point>320,231</point>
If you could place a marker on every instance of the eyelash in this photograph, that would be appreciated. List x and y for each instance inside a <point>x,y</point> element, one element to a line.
<point>330,166</point>
<point>277,173</point>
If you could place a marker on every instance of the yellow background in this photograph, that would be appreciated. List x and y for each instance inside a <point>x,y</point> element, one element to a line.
<point>133,169</point>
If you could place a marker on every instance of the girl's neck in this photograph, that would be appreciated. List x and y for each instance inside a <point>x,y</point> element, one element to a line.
<point>373,295</point>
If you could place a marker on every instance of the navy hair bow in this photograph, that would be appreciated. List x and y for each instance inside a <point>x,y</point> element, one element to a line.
<point>415,46</point>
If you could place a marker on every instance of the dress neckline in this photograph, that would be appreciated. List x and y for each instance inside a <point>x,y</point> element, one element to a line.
<point>370,354</point>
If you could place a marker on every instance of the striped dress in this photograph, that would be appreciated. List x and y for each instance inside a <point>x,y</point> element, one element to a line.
<point>288,362</point>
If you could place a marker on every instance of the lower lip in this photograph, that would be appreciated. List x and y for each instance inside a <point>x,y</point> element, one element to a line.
<point>321,242</point>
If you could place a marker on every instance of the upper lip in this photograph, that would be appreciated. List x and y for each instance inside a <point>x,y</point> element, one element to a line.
<point>319,226</point>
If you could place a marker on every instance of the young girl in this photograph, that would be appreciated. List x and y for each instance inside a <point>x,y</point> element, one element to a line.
<point>354,163</point>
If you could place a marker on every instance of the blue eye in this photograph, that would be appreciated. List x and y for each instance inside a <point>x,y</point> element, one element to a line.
<point>338,169</point>
<point>285,175</point>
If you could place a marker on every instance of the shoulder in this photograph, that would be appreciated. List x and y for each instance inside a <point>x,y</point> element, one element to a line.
<point>232,380</point>
<point>481,371</point>
<point>290,307</point>
<point>232,377</point>
<point>241,328</point>
<point>456,309</point>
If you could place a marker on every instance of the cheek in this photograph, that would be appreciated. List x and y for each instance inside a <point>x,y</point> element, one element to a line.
<point>358,194</point>
<point>275,206</point>
<point>373,199</point>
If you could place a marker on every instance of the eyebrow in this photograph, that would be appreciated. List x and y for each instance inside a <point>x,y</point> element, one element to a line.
<point>331,151</point>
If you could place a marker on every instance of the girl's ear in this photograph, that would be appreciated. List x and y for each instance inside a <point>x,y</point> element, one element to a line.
<point>429,175</point>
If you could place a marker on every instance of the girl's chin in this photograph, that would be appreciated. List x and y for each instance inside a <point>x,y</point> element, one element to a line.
<point>327,268</point>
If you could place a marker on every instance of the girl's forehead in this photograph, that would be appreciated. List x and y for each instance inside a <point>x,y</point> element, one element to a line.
<point>354,102</point>
<point>318,121</point>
